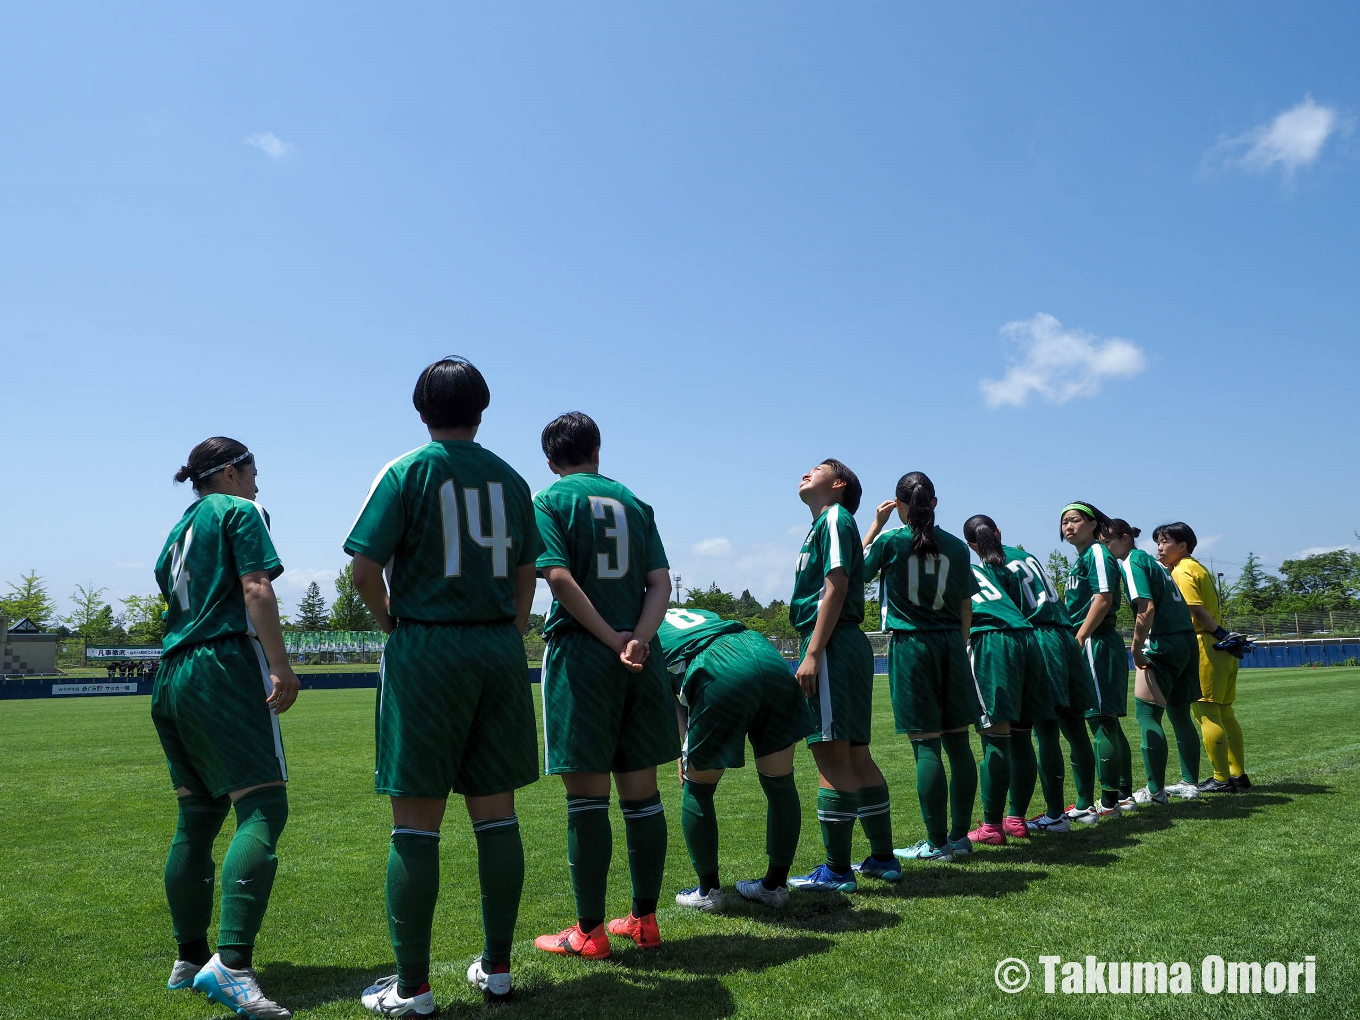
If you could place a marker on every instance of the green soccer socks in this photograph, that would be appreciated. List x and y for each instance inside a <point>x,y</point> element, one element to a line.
<point>412,888</point>
<point>645,826</point>
<point>500,871</point>
<point>963,782</point>
<point>875,818</point>
<point>248,871</point>
<point>1187,741</point>
<point>1024,771</point>
<point>1051,766</point>
<point>783,823</point>
<point>1082,757</point>
<point>836,813</point>
<point>932,788</point>
<point>699,821</point>
<point>1149,718</point>
<point>590,845</point>
<point>190,873</point>
<point>996,776</point>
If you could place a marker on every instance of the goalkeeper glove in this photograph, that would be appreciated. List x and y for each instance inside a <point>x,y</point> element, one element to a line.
<point>1233,643</point>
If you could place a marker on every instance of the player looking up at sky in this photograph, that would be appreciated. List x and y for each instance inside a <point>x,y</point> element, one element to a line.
<point>607,705</point>
<point>1166,665</point>
<point>836,673</point>
<point>1071,687</point>
<point>1092,599</point>
<point>222,683</point>
<point>1219,652</point>
<point>730,683</point>
<point>454,526</point>
<point>1008,666</point>
<point>926,591</point>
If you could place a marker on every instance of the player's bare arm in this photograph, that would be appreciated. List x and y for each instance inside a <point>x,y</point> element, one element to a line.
<point>583,611</point>
<point>1144,611</point>
<point>828,614</point>
<point>372,588</point>
<point>654,604</point>
<point>526,578</point>
<point>1202,618</point>
<point>1101,604</point>
<point>881,515</point>
<point>263,607</point>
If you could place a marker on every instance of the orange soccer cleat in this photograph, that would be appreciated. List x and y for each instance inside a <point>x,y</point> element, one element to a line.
<point>642,930</point>
<point>571,942</point>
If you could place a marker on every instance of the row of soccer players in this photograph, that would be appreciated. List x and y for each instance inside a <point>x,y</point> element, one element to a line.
<point>447,548</point>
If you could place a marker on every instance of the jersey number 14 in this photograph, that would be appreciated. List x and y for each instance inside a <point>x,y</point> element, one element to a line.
<point>497,539</point>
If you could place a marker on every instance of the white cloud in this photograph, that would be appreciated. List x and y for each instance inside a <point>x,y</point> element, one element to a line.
<point>1293,139</point>
<point>296,579</point>
<point>712,547</point>
<point>272,145</point>
<point>1059,364</point>
<point>1318,550</point>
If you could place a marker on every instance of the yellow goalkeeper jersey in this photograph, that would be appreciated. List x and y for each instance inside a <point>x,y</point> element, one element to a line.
<point>1197,588</point>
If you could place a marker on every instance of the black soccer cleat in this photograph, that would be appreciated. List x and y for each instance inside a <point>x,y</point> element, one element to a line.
<point>1212,785</point>
<point>1242,782</point>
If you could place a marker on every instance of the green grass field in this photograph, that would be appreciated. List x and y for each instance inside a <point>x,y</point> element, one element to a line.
<point>86,815</point>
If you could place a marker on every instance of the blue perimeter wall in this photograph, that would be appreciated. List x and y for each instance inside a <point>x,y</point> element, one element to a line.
<point>1265,656</point>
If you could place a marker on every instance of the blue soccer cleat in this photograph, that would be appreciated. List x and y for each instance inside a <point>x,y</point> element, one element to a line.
<point>238,991</point>
<point>823,879</point>
<point>923,851</point>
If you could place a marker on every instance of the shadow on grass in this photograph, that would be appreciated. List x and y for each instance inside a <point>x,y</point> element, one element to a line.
<point>725,954</point>
<point>828,913</point>
<point>305,986</point>
<point>612,991</point>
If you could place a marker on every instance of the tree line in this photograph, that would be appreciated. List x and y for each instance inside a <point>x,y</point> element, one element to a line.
<point>1322,582</point>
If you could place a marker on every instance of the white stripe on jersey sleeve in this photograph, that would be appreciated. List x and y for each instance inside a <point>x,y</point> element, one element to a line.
<point>374,487</point>
<point>1102,577</point>
<point>833,519</point>
<point>1130,579</point>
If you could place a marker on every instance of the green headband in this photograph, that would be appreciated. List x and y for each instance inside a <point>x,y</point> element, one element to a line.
<point>1081,507</point>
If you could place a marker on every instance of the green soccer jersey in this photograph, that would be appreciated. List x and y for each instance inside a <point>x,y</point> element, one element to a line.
<point>1096,571</point>
<point>451,521</point>
<point>920,592</point>
<point>684,633</point>
<point>219,539</point>
<point>1145,578</point>
<point>1028,586</point>
<point>607,537</point>
<point>832,541</point>
<point>992,606</point>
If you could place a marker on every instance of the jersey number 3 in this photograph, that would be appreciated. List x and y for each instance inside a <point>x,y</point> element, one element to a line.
<point>497,540</point>
<point>617,530</point>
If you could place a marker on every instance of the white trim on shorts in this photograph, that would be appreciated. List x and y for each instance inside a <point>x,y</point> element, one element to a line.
<point>824,694</point>
<point>273,716</point>
<point>1091,661</point>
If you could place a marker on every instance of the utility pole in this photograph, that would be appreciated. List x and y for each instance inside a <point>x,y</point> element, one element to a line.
<point>677,590</point>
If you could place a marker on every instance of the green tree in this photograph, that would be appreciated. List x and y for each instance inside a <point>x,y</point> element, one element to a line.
<point>715,600</point>
<point>1059,566</point>
<point>873,617</point>
<point>747,604</point>
<point>1254,591</point>
<point>348,611</point>
<point>1329,580</point>
<point>29,598</point>
<point>145,618</point>
<point>312,609</point>
<point>92,617</point>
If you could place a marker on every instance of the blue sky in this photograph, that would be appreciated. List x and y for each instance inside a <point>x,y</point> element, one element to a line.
<point>742,237</point>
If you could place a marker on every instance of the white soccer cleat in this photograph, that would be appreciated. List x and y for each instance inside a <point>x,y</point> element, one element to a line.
<point>754,889</point>
<point>494,986</point>
<point>1183,791</point>
<point>1146,796</point>
<point>238,990</point>
<point>1128,804</point>
<point>383,998</point>
<point>1083,816</point>
<point>182,975</point>
<point>711,902</point>
<point>1043,823</point>
<point>1109,812</point>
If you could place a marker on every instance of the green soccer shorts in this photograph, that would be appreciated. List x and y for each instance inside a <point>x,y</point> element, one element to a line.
<point>1107,660</point>
<point>208,706</point>
<point>1069,677</point>
<point>599,716</point>
<point>454,711</point>
<point>1174,661</point>
<point>1008,668</point>
<point>843,707</point>
<point>740,687</point>
<point>932,683</point>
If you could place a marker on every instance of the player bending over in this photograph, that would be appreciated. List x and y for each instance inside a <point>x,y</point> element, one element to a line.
<point>926,594</point>
<point>221,686</point>
<point>607,705</point>
<point>730,684</point>
<point>1092,599</point>
<point>454,525</point>
<point>1008,666</point>
<point>1071,687</point>
<point>1219,652</point>
<point>1165,660</point>
<point>836,673</point>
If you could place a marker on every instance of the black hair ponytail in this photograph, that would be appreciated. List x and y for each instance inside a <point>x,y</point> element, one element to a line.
<point>1117,527</point>
<point>918,493</point>
<point>1088,510</point>
<point>980,530</point>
